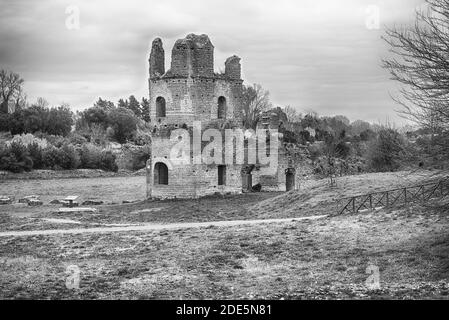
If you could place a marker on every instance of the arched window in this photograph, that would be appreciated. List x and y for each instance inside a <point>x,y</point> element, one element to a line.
<point>221,110</point>
<point>160,107</point>
<point>160,173</point>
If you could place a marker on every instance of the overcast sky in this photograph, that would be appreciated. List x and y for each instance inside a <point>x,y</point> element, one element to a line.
<point>310,54</point>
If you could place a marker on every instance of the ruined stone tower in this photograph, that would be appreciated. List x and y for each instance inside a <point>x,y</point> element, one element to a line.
<point>191,91</point>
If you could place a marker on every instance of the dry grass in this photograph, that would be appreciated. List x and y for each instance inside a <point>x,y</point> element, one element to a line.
<point>310,259</point>
<point>314,198</point>
<point>110,190</point>
<point>316,195</point>
<point>317,259</point>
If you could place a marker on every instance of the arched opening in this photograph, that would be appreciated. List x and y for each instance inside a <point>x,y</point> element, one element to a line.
<point>221,110</point>
<point>290,179</point>
<point>221,175</point>
<point>160,107</point>
<point>160,173</point>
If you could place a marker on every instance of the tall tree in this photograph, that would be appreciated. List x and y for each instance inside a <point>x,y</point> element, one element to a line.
<point>134,106</point>
<point>293,115</point>
<point>256,100</point>
<point>104,104</point>
<point>10,89</point>
<point>145,108</point>
<point>122,103</point>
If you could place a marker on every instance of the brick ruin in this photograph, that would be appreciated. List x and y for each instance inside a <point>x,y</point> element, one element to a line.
<point>191,91</point>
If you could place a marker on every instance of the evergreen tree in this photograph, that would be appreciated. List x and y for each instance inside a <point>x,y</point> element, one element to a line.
<point>123,103</point>
<point>134,106</point>
<point>145,104</point>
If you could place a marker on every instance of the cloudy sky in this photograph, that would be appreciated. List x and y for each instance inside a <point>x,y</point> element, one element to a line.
<point>321,55</point>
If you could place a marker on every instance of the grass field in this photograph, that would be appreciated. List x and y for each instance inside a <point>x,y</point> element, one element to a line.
<point>320,259</point>
<point>313,198</point>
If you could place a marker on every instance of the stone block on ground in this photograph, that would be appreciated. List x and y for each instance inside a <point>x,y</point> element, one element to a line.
<point>92,202</point>
<point>28,198</point>
<point>129,201</point>
<point>6,200</point>
<point>69,204</point>
<point>75,210</point>
<point>34,202</point>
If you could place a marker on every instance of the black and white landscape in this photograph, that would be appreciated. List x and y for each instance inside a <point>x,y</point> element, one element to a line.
<point>217,150</point>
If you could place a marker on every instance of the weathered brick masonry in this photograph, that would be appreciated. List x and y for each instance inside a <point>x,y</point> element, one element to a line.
<point>191,91</point>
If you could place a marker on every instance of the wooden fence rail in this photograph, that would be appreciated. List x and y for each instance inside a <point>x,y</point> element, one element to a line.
<point>390,198</point>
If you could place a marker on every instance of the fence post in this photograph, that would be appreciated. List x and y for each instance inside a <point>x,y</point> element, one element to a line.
<point>388,198</point>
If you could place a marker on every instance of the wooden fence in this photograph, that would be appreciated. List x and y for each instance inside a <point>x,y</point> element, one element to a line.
<point>395,197</point>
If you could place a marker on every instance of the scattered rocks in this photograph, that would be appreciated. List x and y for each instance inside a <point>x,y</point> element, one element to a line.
<point>62,221</point>
<point>92,203</point>
<point>34,202</point>
<point>27,199</point>
<point>130,201</point>
<point>6,200</point>
<point>74,210</point>
<point>69,204</point>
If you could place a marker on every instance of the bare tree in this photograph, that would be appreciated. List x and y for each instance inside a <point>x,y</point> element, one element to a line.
<point>256,101</point>
<point>293,115</point>
<point>420,63</point>
<point>10,89</point>
<point>41,102</point>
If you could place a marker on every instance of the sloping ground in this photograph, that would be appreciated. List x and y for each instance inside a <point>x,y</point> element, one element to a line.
<point>317,197</point>
<point>323,259</point>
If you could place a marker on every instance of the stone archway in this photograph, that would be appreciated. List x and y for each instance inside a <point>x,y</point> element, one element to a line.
<point>290,179</point>
<point>160,173</point>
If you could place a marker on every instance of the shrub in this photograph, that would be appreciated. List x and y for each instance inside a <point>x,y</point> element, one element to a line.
<point>90,156</point>
<point>385,152</point>
<point>58,121</point>
<point>51,157</point>
<point>56,141</point>
<point>342,150</point>
<point>107,161</point>
<point>5,119</point>
<point>36,153</point>
<point>28,139</point>
<point>15,158</point>
<point>124,123</point>
<point>94,115</point>
<point>77,139</point>
<point>68,157</point>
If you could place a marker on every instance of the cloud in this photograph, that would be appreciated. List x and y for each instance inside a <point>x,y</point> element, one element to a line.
<point>309,54</point>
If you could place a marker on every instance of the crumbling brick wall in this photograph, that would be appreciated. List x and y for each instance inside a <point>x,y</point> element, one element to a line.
<point>190,87</point>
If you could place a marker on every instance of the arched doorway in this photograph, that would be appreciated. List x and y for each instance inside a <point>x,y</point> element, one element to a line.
<point>221,175</point>
<point>290,179</point>
<point>160,107</point>
<point>160,173</point>
<point>221,108</point>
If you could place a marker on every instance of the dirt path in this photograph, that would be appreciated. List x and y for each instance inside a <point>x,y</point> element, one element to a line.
<point>152,227</point>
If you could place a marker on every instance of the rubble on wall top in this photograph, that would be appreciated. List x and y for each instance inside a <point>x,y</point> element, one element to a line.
<point>197,41</point>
